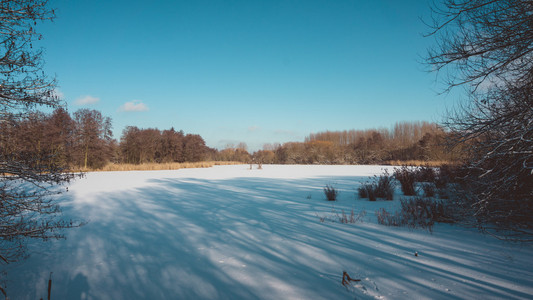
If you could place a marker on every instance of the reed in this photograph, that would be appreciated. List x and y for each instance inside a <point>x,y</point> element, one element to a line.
<point>159,166</point>
<point>420,163</point>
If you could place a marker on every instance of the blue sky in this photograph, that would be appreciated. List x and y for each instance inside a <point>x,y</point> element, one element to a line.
<point>244,71</point>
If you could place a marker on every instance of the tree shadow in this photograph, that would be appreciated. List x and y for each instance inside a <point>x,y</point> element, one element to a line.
<point>255,238</point>
<point>78,288</point>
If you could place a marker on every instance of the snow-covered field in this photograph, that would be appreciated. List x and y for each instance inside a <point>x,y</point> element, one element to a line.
<point>232,233</point>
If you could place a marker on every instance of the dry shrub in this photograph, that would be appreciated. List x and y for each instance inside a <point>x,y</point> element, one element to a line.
<point>331,193</point>
<point>444,193</point>
<point>449,174</point>
<point>417,212</point>
<point>386,218</point>
<point>420,212</point>
<point>343,218</point>
<point>363,190</point>
<point>407,178</point>
<point>429,189</point>
<point>368,190</point>
<point>383,188</point>
<point>352,219</point>
<point>425,174</point>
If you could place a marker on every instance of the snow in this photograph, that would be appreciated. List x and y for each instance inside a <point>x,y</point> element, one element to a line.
<point>228,232</point>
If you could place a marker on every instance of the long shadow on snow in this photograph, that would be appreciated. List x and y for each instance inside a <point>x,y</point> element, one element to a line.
<point>247,238</point>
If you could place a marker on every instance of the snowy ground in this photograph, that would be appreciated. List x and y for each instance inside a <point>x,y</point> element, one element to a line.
<point>232,233</point>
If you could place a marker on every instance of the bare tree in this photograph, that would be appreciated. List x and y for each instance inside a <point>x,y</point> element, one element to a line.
<point>486,46</point>
<point>28,179</point>
<point>93,137</point>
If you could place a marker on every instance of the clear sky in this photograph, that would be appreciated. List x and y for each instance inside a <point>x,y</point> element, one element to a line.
<point>243,70</point>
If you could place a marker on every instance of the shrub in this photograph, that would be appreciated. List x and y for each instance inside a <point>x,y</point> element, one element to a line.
<point>343,217</point>
<point>352,218</point>
<point>424,212</point>
<point>425,174</point>
<point>429,189</point>
<point>363,191</point>
<point>417,212</point>
<point>449,174</point>
<point>371,190</point>
<point>443,193</point>
<point>407,177</point>
<point>388,219</point>
<point>368,190</point>
<point>331,193</point>
<point>441,182</point>
<point>385,186</point>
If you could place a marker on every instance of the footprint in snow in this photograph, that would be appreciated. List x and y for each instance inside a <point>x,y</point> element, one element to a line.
<point>370,293</point>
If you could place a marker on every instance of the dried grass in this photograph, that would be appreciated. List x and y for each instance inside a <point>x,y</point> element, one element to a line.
<point>160,166</point>
<point>344,218</point>
<point>419,163</point>
<point>417,212</point>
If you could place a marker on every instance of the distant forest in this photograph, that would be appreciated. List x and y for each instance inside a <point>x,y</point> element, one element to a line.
<point>85,140</point>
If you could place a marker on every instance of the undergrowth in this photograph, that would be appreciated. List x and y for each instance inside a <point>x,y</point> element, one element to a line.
<point>344,218</point>
<point>382,188</point>
<point>417,212</point>
<point>407,178</point>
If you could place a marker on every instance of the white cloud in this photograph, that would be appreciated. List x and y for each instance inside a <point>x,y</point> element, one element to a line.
<point>135,105</point>
<point>87,100</point>
<point>57,93</point>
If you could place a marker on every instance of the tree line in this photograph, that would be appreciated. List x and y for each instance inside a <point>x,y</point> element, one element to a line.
<point>155,146</point>
<point>85,140</point>
<point>406,141</point>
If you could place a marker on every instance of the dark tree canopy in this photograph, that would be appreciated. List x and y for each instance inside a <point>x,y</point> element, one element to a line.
<point>487,47</point>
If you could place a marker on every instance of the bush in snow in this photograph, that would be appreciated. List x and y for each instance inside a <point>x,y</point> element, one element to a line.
<point>368,190</point>
<point>424,212</point>
<point>425,174</point>
<point>407,178</point>
<point>331,193</point>
<point>386,218</point>
<point>383,188</point>
<point>343,218</point>
<point>429,189</point>
<point>417,212</point>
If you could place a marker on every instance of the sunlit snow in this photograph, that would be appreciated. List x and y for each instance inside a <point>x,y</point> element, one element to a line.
<point>232,233</point>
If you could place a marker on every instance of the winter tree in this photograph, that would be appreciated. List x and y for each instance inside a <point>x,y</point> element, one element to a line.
<point>93,137</point>
<point>486,46</point>
<point>28,179</point>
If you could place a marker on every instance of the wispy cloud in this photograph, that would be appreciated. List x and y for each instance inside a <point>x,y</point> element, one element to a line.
<point>87,100</point>
<point>254,128</point>
<point>135,105</point>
